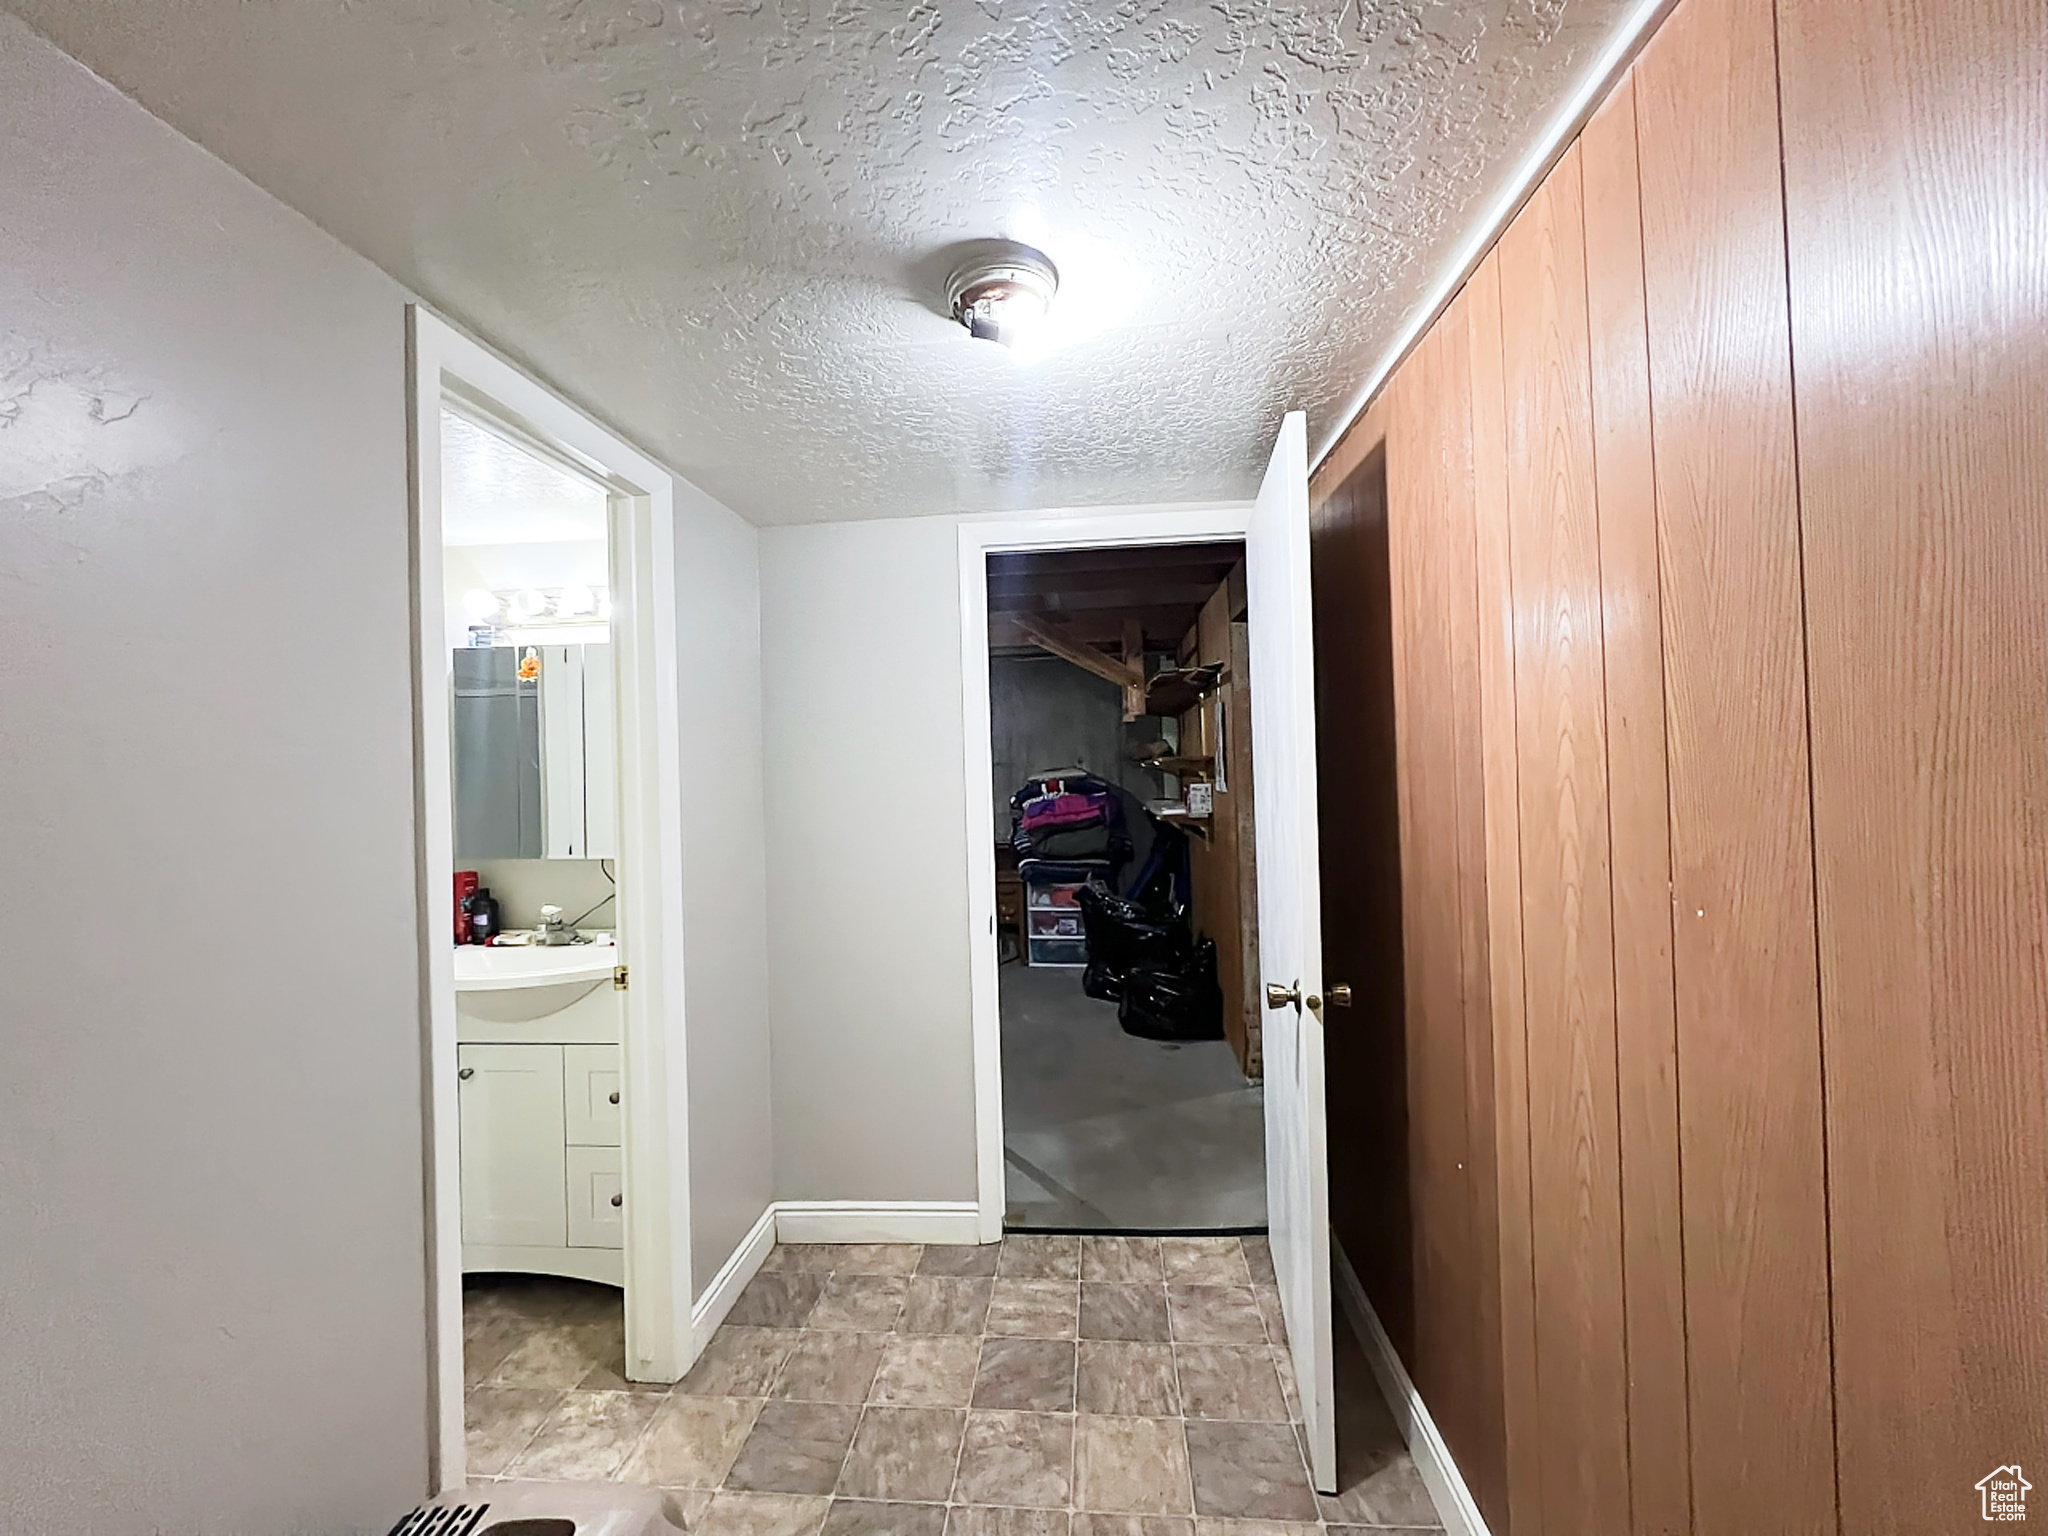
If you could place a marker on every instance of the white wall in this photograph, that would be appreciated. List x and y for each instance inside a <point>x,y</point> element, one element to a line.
<point>867,858</point>
<point>212,1267</point>
<point>725,902</point>
<point>213,1310</point>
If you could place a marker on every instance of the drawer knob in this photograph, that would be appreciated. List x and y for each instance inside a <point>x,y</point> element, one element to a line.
<point>617,1201</point>
<point>466,1073</point>
<point>615,1095</point>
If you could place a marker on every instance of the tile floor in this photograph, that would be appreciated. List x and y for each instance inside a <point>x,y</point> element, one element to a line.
<point>1106,1132</point>
<point>1046,1386</point>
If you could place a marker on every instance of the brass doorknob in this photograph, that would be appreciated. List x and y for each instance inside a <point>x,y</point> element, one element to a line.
<point>1339,996</point>
<point>1279,996</point>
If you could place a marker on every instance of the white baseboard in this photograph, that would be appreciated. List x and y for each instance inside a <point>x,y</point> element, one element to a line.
<point>741,1266</point>
<point>877,1221</point>
<point>1455,1505</point>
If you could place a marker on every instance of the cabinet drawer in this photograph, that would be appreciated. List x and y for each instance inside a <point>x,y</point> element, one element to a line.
<point>511,1138</point>
<point>595,1219</point>
<point>590,1094</point>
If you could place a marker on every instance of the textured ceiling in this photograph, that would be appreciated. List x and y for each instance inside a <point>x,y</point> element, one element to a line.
<point>725,225</point>
<point>495,492</point>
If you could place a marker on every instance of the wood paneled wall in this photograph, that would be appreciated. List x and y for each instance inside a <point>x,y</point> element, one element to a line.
<point>1717,525</point>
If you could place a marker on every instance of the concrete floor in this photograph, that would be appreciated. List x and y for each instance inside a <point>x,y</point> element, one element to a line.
<point>1103,1132</point>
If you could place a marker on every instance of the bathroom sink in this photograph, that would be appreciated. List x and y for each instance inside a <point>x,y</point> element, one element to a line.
<point>495,968</point>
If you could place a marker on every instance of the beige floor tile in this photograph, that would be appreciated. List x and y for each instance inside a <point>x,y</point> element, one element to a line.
<point>1017,1458</point>
<point>982,1520</point>
<point>1131,1466</point>
<point>1214,1314</point>
<point>1204,1261</point>
<point>879,1258</point>
<point>1133,1380</point>
<point>1209,1527</point>
<point>777,1299</point>
<point>1036,1374</point>
<point>762,1514</point>
<point>1122,1260</point>
<point>960,1260</point>
<point>904,1454</point>
<point>1225,1381</point>
<point>498,1422</point>
<point>1038,1309</point>
<point>872,1517</point>
<point>1132,1525</point>
<point>1249,1472</point>
<point>920,1371</point>
<point>801,1258</point>
<point>795,1448</point>
<point>1134,1312</point>
<point>860,1303</point>
<point>692,1442</point>
<point>830,1367</point>
<point>937,1305</point>
<point>1028,1257</point>
<point>588,1437</point>
<point>551,1355</point>
<point>1270,1313</point>
<point>739,1362</point>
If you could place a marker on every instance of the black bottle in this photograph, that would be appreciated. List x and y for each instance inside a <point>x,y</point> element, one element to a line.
<point>483,915</point>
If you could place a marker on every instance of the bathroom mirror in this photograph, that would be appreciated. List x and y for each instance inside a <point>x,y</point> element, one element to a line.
<point>535,756</point>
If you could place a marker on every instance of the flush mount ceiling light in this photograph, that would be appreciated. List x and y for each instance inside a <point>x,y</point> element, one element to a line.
<point>1003,293</point>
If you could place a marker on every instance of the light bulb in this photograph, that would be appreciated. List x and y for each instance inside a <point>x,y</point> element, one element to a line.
<point>575,598</point>
<point>529,604</point>
<point>480,604</point>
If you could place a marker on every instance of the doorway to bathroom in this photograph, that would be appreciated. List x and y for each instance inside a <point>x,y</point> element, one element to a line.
<point>550,900</point>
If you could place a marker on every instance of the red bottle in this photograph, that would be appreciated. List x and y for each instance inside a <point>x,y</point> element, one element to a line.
<point>465,887</point>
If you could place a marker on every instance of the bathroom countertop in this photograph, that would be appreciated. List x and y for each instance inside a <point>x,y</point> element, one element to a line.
<point>498,967</point>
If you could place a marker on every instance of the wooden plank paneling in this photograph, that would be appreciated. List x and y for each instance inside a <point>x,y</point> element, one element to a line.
<point>1518,1506</point>
<point>1476,1436</point>
<point>1749,1089</point>
<point>1426,702</point>
<point>1568,940</point>
<point>1639,830</point>
<point>1916,136</point>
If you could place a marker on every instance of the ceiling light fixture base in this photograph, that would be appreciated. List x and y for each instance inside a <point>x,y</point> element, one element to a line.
<point>1002,291</point>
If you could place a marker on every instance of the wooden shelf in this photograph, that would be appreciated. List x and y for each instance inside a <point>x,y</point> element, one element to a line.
<point>1176,691</point>
<point>1201,765</point>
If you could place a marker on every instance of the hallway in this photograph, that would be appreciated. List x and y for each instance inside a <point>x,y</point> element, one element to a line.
<point>1046,1386</point>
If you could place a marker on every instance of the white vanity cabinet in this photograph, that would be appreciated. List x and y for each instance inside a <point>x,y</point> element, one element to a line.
<point>539,1091</point>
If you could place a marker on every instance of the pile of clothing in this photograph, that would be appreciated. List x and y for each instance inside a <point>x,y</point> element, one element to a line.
<point>1069,828</point>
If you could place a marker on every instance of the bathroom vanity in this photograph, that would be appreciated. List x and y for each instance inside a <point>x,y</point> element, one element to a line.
<point>539,1085</point>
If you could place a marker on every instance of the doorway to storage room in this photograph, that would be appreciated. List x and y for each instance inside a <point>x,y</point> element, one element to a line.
<point>1125,881</point>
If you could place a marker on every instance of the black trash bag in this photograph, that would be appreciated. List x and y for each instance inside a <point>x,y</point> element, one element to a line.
<point>1122,933</point>
<point>1174,1002</point>
<point>1105,983</point>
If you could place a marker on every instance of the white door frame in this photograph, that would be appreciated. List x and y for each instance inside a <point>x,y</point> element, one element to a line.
<point>660,1341</point>
<point>1048,531</point>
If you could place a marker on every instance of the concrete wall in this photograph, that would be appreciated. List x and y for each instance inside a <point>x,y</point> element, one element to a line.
<point>1048,713</point>
<point>210,1147</point>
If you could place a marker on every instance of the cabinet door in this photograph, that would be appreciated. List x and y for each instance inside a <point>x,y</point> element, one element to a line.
<point>597,1217</point>
<point>514,1176</point>
<point>590,1094</point>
